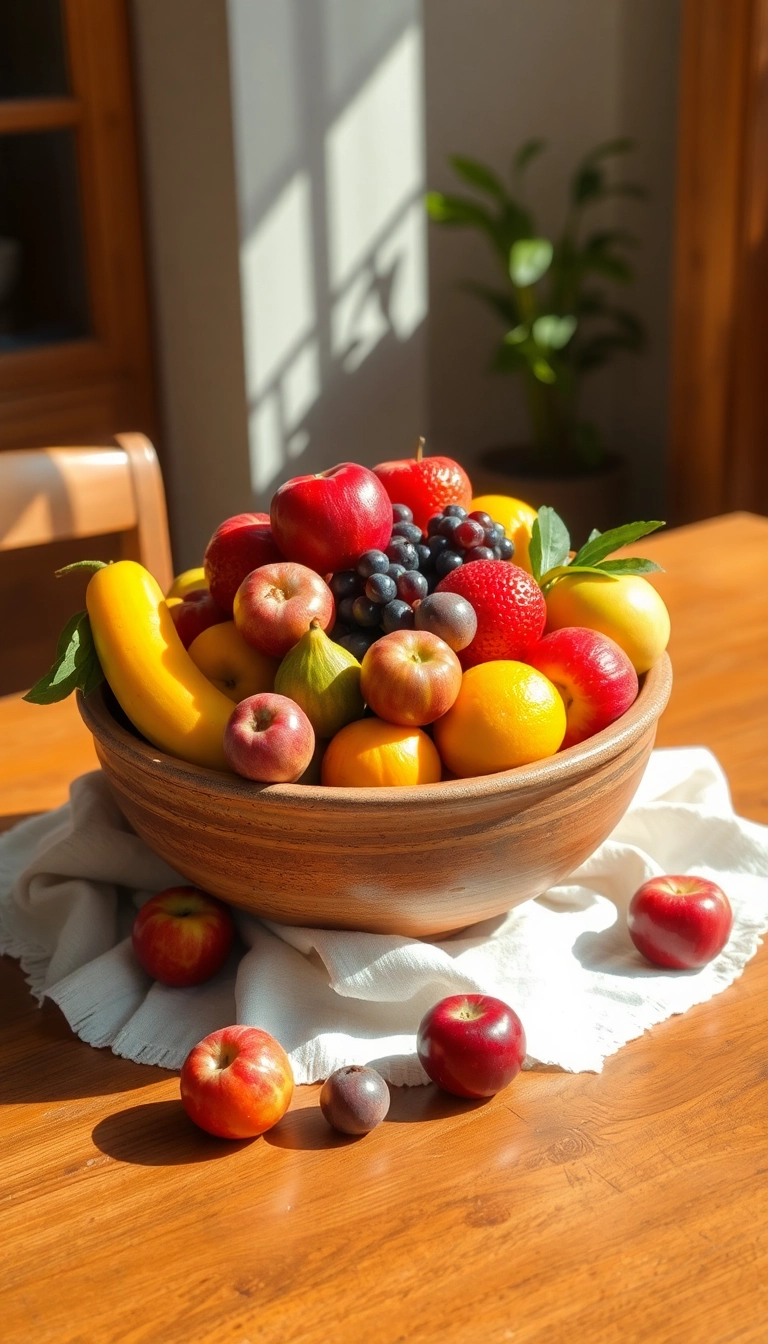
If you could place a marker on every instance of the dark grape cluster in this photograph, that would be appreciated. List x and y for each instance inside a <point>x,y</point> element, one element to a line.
<point>379,595</point>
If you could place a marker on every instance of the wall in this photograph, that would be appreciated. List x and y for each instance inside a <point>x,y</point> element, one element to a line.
<point>499,72</point>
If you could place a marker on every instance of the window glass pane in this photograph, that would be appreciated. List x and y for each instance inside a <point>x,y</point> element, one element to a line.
<point>32,57</point>
<point>43,294</point>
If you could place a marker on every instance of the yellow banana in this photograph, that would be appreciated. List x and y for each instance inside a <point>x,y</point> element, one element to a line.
<point>150,672</point>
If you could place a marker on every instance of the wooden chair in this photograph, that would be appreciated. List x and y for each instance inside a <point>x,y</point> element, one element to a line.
<point>58,505</point>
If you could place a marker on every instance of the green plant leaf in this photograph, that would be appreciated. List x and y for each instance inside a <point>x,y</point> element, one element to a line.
<point>529,260</point>
<point>633,564</point>
<point>597,548</point>
<point>517,335</point>
<point>457,210</point>
<point>543,372</point>
<point>76,665</point>
<point>91,565</point>
<point>553,332</point>
<point>478,175</point>
<point>549,544</point>
<point>525,154</point>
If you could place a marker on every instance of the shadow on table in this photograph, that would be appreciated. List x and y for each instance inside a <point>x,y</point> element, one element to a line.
<point>159,1134</point>
<point>612,952</point>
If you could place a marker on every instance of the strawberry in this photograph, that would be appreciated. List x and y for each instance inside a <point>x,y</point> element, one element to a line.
<point>510,608</point>
<point>425,484</point>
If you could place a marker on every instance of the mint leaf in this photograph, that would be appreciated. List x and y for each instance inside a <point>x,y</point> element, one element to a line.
<point>604,543</point>
<point>76,666</point>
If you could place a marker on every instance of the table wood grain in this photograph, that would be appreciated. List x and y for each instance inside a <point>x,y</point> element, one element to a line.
<point>613,1208</point>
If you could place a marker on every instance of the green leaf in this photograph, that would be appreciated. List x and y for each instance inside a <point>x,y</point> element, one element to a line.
<point>529,260</point>
<point>543,372</point>
<point>525,154</point>
<point>634,564</point>
<point>550,542</point>
<point>553,332</point>
<point>597,548</point>
<point>594,533</point>
<point>92,565</point>
<point>517,335</point>
<point>588,184</point>
<point>76,665</point>
<point>478,176</point>
<point>457,210</point>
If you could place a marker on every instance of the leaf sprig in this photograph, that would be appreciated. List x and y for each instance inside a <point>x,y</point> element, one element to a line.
<point>550,550</point>
<point>76,666</point>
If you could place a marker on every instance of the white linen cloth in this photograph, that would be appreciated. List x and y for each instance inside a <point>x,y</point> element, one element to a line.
<point>71,881</point>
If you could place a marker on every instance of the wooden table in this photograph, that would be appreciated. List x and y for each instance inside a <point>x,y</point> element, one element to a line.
<point>627,1206</point>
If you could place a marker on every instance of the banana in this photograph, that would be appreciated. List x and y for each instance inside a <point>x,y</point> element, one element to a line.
<point>156,683</point>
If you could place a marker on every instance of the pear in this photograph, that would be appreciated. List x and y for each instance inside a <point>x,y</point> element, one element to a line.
<point>324,680</point>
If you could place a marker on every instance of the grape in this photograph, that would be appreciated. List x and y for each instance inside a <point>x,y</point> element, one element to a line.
<point>494,534</point>
<point>506,548</point>
<point>366,612</point>
<point>424,556</point>
<point>381,588</point>
<point>448,526</point>
<point>479,553</point>
<point>454,511</point>
<point>447,561</point>
<point>469,534</point>
<point>358,642</point>
<point>372,562</point>
<point>433,524</point>
<point>344,610</point>
<point>481,517</point>
<point>409,531</point>
<point>395,571</point>
<point>403,553</point>
<point>354,1099</point>
<point>345,584</point>
<point>396,615</point>
<point>411,586</point>
<point>401,513</point>
<point>436,544</point>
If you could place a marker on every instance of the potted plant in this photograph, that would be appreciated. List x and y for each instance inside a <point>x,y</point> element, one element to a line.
<point>560,322</point>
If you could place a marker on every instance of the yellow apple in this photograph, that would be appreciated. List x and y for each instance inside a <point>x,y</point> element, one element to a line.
<point>191,581</point>
<point>625,608</point>
<point>224,658</point>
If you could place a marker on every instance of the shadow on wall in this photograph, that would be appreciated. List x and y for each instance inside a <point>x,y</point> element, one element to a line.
<point>328,118</point>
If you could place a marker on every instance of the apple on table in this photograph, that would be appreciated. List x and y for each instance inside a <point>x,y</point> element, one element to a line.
<point>182,936</point>
<point>680,922</point>
<point>236,1083</point>
<point>471,1045</point>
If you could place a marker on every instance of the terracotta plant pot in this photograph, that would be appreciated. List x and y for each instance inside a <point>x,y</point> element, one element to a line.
<point>585,500</point>
<point>413,861</point>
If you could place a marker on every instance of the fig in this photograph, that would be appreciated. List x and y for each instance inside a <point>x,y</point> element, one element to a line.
<point>323,679</point>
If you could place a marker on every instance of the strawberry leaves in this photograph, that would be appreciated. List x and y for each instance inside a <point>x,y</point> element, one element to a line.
<point>550,546</point>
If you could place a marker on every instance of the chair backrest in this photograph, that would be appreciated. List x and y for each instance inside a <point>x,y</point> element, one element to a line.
<point>58,505</point>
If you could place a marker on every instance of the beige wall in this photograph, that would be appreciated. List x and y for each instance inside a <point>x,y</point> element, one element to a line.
<point>499,72</point>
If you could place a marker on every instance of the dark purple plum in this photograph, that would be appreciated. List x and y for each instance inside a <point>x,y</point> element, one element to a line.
<point>354,1099</point>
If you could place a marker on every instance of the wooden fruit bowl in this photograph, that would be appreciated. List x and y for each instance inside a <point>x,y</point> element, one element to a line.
<point>418,861</point>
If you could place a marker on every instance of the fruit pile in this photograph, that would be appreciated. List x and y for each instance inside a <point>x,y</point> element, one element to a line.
<point>376,628</point>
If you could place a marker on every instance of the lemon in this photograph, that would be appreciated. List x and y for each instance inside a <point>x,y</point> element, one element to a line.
<point>506,714</point>
<point>517,519</point>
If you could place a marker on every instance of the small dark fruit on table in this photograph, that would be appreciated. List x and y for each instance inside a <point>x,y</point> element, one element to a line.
<point>354,1099</point>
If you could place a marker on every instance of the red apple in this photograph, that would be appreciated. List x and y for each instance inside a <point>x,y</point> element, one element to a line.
<point>238,545</point>
<point>471,1044</point>
<point>276,605</point>
<point>410,677</point>
<point>183,936</point>
<point>680,922</point>
<point>236,1083</point>
<point>593,675</point>
<point>269,738</point>
<point>425,484</point>
<point>196,613</point>
<point>327,521</point>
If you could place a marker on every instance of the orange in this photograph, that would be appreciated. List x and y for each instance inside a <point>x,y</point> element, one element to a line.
<point>370,754</point>
<point>224,658</point>
<point>517,519</point>
<point>506,714</point>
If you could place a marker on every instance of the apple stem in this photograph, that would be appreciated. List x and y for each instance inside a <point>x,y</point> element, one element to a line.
<point>420,448</point>
<point>314,624</point>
